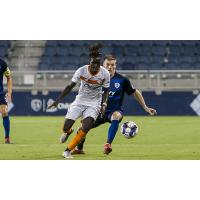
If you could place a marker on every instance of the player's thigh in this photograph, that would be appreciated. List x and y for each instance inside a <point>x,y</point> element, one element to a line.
<point>74,112</point>
<point>4,110</point>
<point>92,112</point>
<point>116,115</point>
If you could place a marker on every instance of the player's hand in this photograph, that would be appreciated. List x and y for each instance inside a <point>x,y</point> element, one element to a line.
<point>53,105</point>
<point>9,97</point>
<point>151,111</point>
<point>103,109</point>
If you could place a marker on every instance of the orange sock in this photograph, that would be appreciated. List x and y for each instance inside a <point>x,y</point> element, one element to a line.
<point>76,140</point>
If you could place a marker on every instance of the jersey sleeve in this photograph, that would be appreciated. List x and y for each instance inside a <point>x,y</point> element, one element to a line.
<point>106,83</point>
<point>76,76</point>
<point>129,89</point>
<point>5,69</point>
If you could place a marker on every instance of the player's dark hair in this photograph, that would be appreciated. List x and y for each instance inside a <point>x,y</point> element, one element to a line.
<point>109,57</point>
<point>94,51</point>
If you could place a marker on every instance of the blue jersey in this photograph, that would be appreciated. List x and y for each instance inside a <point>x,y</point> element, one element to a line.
<point>119,85</point>
<point>4,70</point>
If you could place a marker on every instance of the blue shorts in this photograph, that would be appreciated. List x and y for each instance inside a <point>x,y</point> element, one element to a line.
<point>3,99</point>
<point>106,118</point>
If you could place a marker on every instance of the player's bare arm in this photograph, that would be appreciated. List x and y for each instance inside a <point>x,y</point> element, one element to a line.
<point>104,100</point>
<point>65,92</point>
<point>9,84</point>
<point>138,96</point>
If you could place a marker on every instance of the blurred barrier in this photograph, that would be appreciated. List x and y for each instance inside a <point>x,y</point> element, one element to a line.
<point>163,80</point>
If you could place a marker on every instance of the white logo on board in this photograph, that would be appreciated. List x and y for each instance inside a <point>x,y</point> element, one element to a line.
<point>195,105</point>
<point>61,106</point>
<point>36,105</point>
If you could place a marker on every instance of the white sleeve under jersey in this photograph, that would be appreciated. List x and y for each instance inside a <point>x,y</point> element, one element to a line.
<point>76,76</point>
<point>106,83</point>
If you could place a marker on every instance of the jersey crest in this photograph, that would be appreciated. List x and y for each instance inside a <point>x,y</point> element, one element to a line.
<point>117,85</point>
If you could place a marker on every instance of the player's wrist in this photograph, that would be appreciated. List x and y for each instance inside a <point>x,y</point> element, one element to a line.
<point>104,104</point>
<point>145,107</point>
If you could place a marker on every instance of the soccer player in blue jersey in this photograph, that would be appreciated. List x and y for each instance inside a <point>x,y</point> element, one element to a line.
<point>5,71</point>
<point>119,85</point>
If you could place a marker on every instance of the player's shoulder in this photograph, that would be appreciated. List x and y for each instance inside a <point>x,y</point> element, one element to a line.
<point>104,70</point>
<point>3,63</point>
<point>82,69</point>
<point>120,76</point>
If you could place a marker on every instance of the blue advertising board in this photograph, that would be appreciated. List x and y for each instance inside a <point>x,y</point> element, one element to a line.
<point>167,103</point>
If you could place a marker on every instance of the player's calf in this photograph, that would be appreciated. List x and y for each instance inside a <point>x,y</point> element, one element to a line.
<point>6,123</point>
<point>67,130</point>
<point>65,136</point>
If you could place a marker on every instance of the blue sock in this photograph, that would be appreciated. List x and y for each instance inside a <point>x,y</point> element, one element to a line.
<point>112,131</point>
<point>6,124</point>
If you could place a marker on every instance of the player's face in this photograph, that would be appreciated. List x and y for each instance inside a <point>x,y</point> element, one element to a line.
<point>94,66</point>
<point>110,65</point>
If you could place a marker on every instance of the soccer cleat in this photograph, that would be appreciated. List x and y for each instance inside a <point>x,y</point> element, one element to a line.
<point>67,154</point>
<point>77,151</point>
<point>65,136</point>
<point>107,148</point>
<point>7,141</point>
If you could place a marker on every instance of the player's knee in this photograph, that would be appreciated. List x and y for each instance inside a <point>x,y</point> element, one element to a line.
<point>4,112</point>
<point>116,116</point>
<point>87,124</point>
<point>86,128</point>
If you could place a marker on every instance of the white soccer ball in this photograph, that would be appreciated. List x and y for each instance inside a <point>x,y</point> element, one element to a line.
<point>129,129</point>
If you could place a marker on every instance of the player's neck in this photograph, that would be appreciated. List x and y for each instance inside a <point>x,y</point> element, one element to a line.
<point>93,74</point>
<point>112,75</point>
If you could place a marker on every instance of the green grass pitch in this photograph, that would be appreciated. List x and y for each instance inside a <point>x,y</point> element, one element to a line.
<point>166,138</point>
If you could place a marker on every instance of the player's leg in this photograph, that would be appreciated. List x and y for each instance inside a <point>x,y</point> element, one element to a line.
<point>79,148</point>
<point>115,119</point>
<point>74,112</point>
<point>6,122</point>
<point>67,130</point>
<point>89,116</point>
<point>81,134</point>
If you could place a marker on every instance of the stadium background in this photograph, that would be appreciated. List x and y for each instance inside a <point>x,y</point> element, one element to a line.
<point>167,72</point>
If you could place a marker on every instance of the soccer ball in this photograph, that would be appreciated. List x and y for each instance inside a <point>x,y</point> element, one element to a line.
<point>129,129</point>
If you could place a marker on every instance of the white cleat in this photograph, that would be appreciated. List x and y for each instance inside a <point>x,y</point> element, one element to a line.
<point>67,154</point>
<point>65,136</point>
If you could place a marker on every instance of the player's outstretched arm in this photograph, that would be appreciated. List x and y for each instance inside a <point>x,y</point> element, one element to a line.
<point>9,83</point>
<point>138,96</point>
<point>65,92</point>
<point>104,101</point>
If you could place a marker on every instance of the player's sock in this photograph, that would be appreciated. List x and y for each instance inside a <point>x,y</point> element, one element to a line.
<point>80,145</point>
<point>6,125</point>
<point>76,140</point>
<point>112,131</point>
